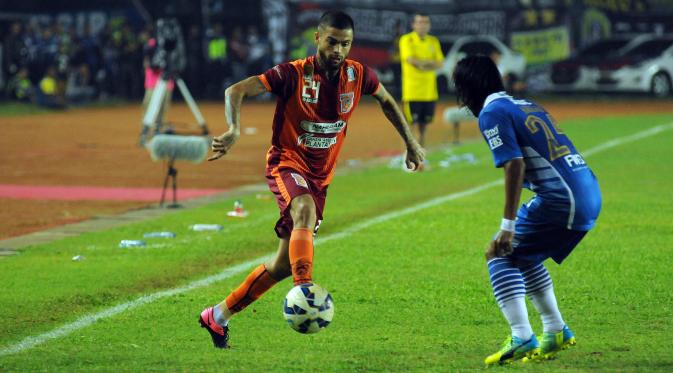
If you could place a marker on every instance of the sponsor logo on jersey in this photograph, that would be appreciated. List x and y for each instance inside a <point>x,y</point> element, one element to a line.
<point>299,180</point>
<point>315,127</point>
<point>491,132</point>
<point>346,100</point>
<point>350,72</point>
<point>493,137</point>
<point>494,142</point>
<point>311,141</point>
<point>310,91</point>
<point>574,160</point>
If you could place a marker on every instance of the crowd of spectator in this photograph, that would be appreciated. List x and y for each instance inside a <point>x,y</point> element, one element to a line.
<point>56,66</point>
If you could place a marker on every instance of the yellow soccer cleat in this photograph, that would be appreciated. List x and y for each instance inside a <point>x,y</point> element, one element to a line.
<point>513,349</point>
<point>552,343</point>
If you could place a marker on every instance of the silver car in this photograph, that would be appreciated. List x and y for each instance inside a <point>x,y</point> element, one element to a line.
<point>579,72</point>
<point>644,65</point>
<point>512,65</point>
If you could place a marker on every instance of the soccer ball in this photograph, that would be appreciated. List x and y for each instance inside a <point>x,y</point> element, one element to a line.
<point>308,308</point>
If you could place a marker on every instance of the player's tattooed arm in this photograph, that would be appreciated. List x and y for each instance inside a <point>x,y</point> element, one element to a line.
<point>514,174</point>
<point>233,98</point>
<point>415,154</point>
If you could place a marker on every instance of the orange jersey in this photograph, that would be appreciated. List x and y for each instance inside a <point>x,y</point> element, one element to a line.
<point>312,114</point>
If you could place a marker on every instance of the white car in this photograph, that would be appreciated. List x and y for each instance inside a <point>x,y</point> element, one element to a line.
<point>579,71</point>
<point>644,65</point>
<point>512,65</point>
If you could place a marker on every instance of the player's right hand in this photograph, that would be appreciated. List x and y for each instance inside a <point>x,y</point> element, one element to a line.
<point>221,144</point>
<point>501,246</point>
<point>415,156</point>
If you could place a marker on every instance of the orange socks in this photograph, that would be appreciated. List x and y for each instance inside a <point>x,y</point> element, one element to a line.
<point>256,284</point>
<point>259,280</point>
<point>301,255</point>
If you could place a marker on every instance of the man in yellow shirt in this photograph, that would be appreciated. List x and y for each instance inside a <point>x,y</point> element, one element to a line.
<point>420,54</point>
<point>48,94</point>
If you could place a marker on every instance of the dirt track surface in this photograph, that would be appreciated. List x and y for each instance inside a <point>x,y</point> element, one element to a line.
<point>98,147</point>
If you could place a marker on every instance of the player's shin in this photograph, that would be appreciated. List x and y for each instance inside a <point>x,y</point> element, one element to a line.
<point>540,291</point>
<point>301,255</point>
<point>256,284</point>
<point>509,291</point>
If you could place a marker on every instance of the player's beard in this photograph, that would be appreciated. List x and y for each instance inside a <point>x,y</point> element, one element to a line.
<point>329,64</point>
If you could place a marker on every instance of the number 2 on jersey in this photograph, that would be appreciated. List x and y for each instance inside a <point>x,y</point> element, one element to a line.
<point>556,150</point>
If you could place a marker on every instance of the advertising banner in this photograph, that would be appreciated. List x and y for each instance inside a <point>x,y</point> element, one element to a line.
<point>542,46</point>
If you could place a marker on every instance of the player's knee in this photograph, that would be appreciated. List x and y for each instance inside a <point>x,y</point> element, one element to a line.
<point>303,211</point>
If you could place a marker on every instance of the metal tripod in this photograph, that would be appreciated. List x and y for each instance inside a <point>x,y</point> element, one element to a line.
<point>172,173</point>
<point>150,121</point>
<point>157,100</point>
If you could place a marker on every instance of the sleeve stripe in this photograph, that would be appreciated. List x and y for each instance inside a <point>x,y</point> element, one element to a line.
<point>264,81</point>
<point>378,88</point>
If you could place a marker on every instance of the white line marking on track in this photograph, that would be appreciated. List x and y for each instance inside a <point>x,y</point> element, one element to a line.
<point>87,320</point>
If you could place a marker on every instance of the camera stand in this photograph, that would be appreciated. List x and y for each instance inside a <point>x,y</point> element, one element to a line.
<point>150,122</point>
<point>157,101</point>
<point>171,172</point>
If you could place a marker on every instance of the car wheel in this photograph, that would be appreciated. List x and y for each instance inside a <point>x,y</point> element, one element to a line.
<point>660,85</point>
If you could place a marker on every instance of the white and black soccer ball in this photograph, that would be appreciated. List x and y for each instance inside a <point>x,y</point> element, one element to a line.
<point>308,308</point>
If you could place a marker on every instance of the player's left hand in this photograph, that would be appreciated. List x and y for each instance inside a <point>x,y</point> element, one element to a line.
<point>501,246</point>
<point>222,144</point>
<point>415,155</point>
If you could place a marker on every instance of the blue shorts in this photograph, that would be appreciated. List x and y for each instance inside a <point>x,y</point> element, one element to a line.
<point>534,242</point>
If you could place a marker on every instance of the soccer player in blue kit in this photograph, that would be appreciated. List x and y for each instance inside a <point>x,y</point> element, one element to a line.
<point>536,155</point>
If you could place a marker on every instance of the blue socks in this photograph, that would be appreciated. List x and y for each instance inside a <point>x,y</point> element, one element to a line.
<point>536,278</point>
<point>509,291</point>
<point>540,291</point>
<point>506,280</point>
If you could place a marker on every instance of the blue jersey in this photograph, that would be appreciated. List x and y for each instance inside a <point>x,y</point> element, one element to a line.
<point>566,189</point>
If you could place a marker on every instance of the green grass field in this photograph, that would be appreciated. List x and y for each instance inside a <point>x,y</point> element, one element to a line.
<point>12,109</point>
<point>411,290</point>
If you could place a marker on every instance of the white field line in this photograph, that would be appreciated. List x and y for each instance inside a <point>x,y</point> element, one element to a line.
<point>626,139</point>
<point>84,321</point>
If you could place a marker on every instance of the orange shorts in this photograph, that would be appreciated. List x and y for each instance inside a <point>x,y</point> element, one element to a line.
<point>286,184</point>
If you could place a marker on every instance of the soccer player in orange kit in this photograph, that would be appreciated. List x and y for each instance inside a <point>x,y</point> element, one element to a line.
<point>315,98</point>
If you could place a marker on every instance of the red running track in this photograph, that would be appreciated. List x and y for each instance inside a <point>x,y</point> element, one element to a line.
<point>89,193</point>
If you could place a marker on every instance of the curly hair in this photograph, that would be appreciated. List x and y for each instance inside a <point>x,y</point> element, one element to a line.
<point>476,77</point>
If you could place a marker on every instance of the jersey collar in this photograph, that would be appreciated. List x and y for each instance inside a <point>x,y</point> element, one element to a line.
<point>494,96</point>
<point>418,37</point>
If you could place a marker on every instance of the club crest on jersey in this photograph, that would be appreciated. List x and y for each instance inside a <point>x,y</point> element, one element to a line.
<point>299,180</point>
<point>310,91</point>
<point>346,100</point>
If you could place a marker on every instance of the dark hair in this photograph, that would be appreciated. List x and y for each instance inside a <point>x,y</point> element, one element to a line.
<point>336,19</point>
<point>476,77</point>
